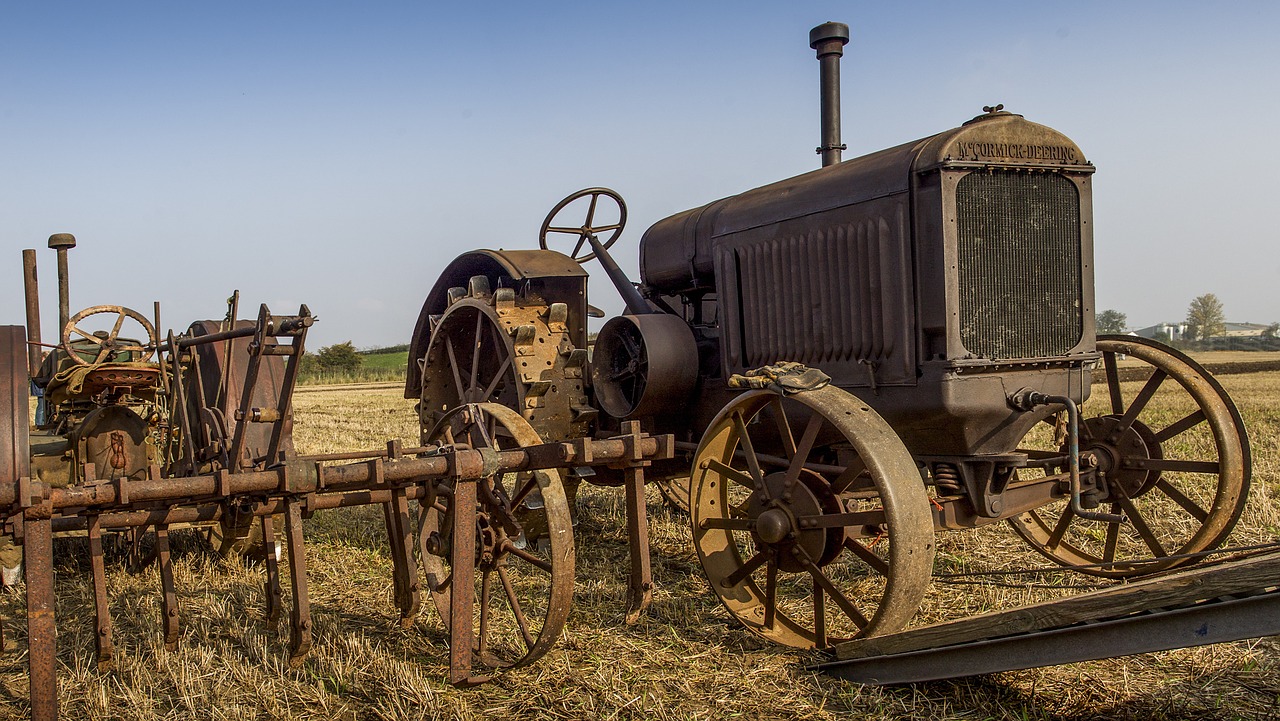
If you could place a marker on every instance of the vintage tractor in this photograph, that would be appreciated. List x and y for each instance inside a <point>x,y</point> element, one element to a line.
<point>117,403</point>
<point>851,360</point>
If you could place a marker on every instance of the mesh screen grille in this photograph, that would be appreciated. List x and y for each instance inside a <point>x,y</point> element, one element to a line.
<point>1018,264</point>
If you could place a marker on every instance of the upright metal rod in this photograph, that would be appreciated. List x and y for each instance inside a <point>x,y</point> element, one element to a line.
<point>32,286</point>
<point>62,242</point>
<point>37,552</point>
<point>829,40</point>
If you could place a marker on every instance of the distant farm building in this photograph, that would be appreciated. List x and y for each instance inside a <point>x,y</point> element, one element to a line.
<point>1162,331</point>
<point>1178,331</point>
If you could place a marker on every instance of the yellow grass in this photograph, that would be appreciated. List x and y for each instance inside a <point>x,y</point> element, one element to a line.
<point>686,659</point>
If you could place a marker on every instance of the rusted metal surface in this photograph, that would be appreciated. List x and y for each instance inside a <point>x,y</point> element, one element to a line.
<point>42,632</point>
<point>31,286</point>
<point>511,532</point>
<point>103,646</point>
<point>168,591</point>
<point>300,611</point>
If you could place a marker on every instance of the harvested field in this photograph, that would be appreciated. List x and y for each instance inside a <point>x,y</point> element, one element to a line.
<point>686,659</point>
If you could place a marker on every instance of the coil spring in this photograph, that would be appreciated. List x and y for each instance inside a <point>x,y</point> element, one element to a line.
<point>946,477</point>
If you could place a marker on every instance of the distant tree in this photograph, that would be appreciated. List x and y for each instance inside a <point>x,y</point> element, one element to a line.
<point>339,358</point>
<point>1205,318</point>
<point>1271,331</point>
<point>1111,321</point>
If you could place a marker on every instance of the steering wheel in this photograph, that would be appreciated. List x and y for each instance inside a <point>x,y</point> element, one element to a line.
<point>109,345</point>
<point>587,229</point>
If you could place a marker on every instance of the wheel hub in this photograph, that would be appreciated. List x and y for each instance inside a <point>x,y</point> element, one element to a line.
<point>1112,449</point>
<point>776,523</point>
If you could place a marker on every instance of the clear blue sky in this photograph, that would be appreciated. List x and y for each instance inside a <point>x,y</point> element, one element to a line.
<point>340,154</point>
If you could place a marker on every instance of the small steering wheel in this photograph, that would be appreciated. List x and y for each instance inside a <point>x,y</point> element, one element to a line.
<point>109,345</point>
<point>587,229</point>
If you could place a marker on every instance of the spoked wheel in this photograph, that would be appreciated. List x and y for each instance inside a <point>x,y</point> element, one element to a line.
<point>524,554</point>
<point>493,346</point>
<point>1173,458</point>
<point>810,518</point>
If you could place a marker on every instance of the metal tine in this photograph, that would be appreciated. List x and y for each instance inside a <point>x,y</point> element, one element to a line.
<point>300,614</point>
<point>272,585</point>
<point>408,599</point>
<point>102,638</point>
<point>170,592</point>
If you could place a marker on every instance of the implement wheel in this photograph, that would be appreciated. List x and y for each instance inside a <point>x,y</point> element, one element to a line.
<point>523,536</point>
<point>1173,458</point>
<point>810,518</point>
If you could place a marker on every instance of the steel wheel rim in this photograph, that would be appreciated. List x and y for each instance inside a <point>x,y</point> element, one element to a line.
<point>1176,500</point>
<point>727,557</point>
<point>497,635</point>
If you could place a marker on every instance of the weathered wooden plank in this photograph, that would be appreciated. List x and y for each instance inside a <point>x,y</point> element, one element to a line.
<point>1185,587</point>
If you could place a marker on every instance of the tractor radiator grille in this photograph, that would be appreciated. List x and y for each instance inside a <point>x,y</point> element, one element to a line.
<point>1018,264</point>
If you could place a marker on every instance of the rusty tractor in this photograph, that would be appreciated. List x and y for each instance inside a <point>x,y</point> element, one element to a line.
<point>850,361</point>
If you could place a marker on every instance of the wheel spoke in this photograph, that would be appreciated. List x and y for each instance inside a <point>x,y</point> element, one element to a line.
<point>497,377</point>
<point>820,579</point>
<point>1113,538</point>
<point>581,239</point>
<point>802,451</point>
<point>475,354</point>
<point>745,570</point>
<point>727,524</point>
<point>848,477</point>
<point>87,336</point>
<point>1113,382</point>
<point>748,450</point>
<point>1165,464</point>
<point>524,491</point>
<point>528,557</point>
<point>1181,499</point>
<point>566,231</point>
<point>1139,403</point>
<point>1140,525</point>
<point>784,428</point>
<point>602,228</point>
<point>878,564</point>
<point>770,594</point>
<point>1060,528</point>
<point>453,366</point>
<point>591,210</point>
<point>1190,421</point>
<point>115,329</point>
<point>731,473</point>
<point>516,610</point>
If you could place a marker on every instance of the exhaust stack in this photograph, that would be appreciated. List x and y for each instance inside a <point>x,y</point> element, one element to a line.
<point>829,40</point>
<point>62,242</point>
<point>32,287</point>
